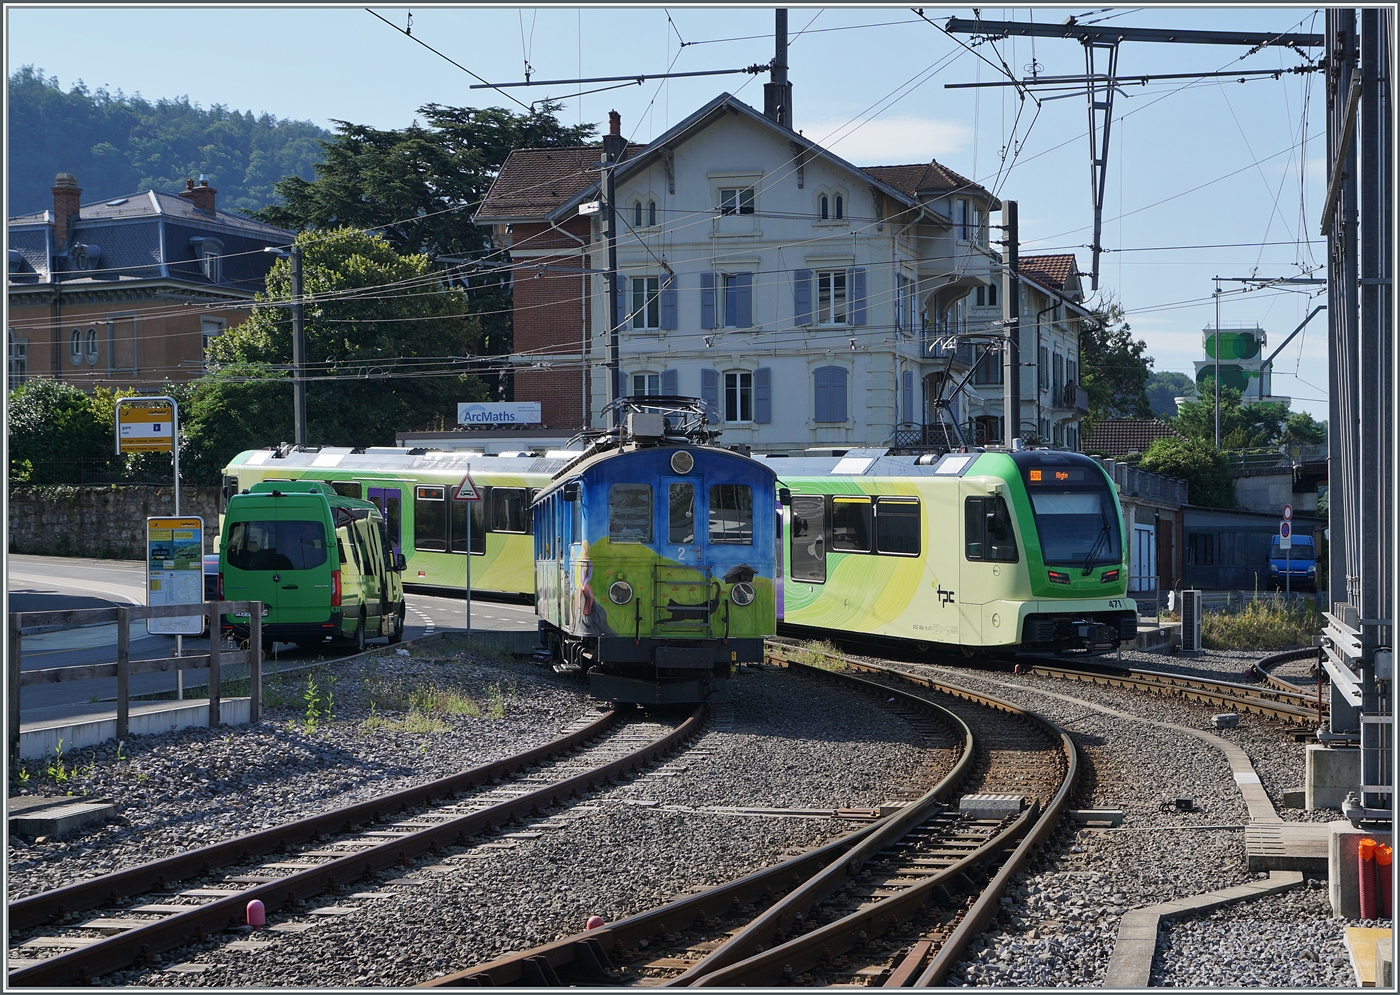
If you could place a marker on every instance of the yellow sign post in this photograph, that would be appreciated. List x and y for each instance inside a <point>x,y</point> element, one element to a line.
<point>175,572</point>
<point>150,425</point>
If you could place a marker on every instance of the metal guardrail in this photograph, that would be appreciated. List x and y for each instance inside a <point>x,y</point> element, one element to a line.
<point>214,660</point>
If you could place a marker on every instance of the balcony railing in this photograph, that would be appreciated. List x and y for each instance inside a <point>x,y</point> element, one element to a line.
<point>937,436</point>
<point>1075,398</point>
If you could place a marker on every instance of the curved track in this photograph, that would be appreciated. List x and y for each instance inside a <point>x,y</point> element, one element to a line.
<point>588,757</point>
<point>895,902</point>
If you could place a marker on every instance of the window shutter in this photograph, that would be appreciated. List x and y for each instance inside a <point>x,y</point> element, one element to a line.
<point>707,300</point>
<point>745,300</point>
<point>668,304</point>
<point>802,297</point>
<point>838,393</point>
<point>830,391</point>
<point>709,393</point>
<point>622,309</point>
<point>907,413</point>
<point>670,382</point>
<point>763,395</point>
<point>857,285</point>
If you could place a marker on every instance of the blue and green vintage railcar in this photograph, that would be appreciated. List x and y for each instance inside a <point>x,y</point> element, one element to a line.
<point>1011,551</point>
<point>655,559</point>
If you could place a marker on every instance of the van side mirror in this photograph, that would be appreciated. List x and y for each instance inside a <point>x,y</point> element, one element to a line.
<point>785,496</point>
<point>400,563</point>
<point>569,492</point>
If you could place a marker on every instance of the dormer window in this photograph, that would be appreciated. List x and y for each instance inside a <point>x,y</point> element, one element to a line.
<point>209,252</point>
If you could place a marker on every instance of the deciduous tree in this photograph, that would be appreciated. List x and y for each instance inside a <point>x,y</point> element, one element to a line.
<point>1113,369</point>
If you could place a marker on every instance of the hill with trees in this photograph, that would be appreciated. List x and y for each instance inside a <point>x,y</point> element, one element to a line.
<point>117,144</point>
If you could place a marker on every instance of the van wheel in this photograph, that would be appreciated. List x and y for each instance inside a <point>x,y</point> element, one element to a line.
<point>358,644</point>
<point>396,635</point>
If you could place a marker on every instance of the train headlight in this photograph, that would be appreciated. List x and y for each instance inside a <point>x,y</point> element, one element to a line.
<point>742,594</point>
<point>620,592</point>
<point>682,462</point>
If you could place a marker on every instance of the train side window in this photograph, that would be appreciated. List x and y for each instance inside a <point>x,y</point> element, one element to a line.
<point>681,518</point>
<point>731,514</point>
<point>989,532</point>
<point>897,526</point>
<point>629,513</point>
<point>808,543</point>
<point>347,488</point>
<point>509,510</point>
<point>460,510</point>
<point>852,519</point>
<point>430,519</point>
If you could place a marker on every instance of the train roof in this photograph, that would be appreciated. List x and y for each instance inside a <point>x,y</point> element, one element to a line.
<point>879,463</point>
<point>396,460</point>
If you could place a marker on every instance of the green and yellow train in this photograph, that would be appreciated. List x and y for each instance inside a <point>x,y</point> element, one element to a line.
<point>1017,551</point>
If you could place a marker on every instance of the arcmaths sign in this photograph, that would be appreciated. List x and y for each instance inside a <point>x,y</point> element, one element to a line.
<point>498,413</point>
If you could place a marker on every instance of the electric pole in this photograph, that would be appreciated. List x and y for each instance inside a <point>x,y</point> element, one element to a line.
<point>613,146</point>
<point>1012,310</point>
<point>298,353</point>
<point>777,94</point>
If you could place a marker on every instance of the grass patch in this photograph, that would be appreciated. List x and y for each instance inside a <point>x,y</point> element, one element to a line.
<point>1262,624</point>
<point>413,722</point>
<point>814,653</point>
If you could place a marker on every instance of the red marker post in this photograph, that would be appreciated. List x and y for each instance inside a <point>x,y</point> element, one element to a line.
<point>466,491</point>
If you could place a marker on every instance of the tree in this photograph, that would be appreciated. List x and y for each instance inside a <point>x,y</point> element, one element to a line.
<point>388,347</point>
<point>117,145</point>
<point>1112,367</point>
<point>1164,388</point>
<point>52,426</point>
<point>1259,425</point>
<point>420,185</point>
<point>1209,481</point>
<point>1301,429</point>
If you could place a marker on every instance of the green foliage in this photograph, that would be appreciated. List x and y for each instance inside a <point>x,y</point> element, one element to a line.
<point>117,145</point>
<point>57,769</point>
<point>1246,426</point>
<point>1262,624</point>
<point>1112,368</point>
<point>377,362</point>
<point>819,653</point>
<point>1209,480</point>
<point>1301,429</point>
<point>320,703</point>
<point>52,420</point>
<point>420,185</point>
<point>1164,388</point>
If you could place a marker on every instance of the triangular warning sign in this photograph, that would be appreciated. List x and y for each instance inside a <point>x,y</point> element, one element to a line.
<point>466,490</point>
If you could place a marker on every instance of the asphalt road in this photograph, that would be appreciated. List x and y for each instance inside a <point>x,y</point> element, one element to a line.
<point>49,583</point>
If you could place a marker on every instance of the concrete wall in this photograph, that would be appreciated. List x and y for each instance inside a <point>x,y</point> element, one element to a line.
<point>1269,492</point>
<point>104,522</point>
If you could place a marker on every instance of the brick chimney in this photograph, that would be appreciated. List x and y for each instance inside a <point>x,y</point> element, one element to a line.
<point>201,196</point>
<point>65,206</point>
<point>613,142</point>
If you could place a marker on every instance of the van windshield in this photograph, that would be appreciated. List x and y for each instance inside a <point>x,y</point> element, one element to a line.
<point>276,545</point>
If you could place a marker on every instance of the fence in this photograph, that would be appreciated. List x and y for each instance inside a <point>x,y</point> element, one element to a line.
<point>80,472</point>
<point>125,666</point>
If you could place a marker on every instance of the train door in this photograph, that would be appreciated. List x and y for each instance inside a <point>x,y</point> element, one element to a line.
<point>389,501</point>
<point>681,592</point>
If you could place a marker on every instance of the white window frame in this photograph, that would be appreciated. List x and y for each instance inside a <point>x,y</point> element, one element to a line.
<point>209,330</point>
<point>827,313</point>
<point>736,201</point>
<point>645,303</point>
<point>646,381</point>
<point>75,347</point>
<point>17,359</point>
<point>91,348</point>
<point>738,393</point>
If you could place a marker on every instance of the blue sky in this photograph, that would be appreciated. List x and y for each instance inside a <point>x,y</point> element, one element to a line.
<point>1215,163</point>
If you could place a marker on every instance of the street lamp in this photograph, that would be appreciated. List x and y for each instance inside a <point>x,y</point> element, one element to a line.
<point>298,345</point>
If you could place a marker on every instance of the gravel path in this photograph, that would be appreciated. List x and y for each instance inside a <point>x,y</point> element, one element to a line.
<point>1059,921</point>
<point>784,740</point>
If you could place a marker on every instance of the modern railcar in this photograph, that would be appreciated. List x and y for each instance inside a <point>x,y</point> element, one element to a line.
<point>1005,551</point>
<point>655,558</point>
<point>414,489</point>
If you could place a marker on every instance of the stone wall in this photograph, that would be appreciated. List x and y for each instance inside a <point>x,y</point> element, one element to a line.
<point>103,522</point>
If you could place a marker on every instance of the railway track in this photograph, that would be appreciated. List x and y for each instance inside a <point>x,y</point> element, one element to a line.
<point>1264,669</point>
<point>139,915</point>
<point>895,902</point>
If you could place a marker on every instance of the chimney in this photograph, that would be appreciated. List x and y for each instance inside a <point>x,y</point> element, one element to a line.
<point>65,206</point>
<point>201,196</point>
<point>613,142</point>
<point>777,95</point>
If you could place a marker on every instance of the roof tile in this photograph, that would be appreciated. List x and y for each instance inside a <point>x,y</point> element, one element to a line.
<point>1050,271</point>
<point>1114,437</point>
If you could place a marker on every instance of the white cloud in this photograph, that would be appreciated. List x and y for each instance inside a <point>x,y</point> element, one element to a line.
<point>890,140</point>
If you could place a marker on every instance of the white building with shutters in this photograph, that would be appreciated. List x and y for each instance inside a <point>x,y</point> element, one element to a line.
<point>808,301</point>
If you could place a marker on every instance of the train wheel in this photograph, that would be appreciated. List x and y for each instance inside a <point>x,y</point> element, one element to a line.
<point>969,652</point>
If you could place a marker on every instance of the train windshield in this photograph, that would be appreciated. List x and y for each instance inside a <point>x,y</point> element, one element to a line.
<point>1075,516</point>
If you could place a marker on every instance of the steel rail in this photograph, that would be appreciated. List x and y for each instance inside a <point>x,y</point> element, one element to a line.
<point>1221,694</point>
<point>588,954</point>
<point>143,943</point>
<point>1264,668</point>
<point>793,957</point>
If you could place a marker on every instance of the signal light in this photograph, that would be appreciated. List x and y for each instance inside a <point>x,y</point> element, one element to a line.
<point>1059,578</point>
<point>335,588</point>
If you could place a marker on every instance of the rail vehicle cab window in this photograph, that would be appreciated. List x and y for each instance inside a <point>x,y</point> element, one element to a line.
<point>731,514</point>
<point>228,490</point>
<point>989,532</point>
<point>460,510</point>
<point>510,510</point>
<point>347,488</point>
<point>897,526</point>
<point>1075,515</point>
<point>852,522</point>
<point>276,545</point>
<point>808,542</point>
<point>629,513</point>
<point>681,515</point>
<point>430,518</point>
